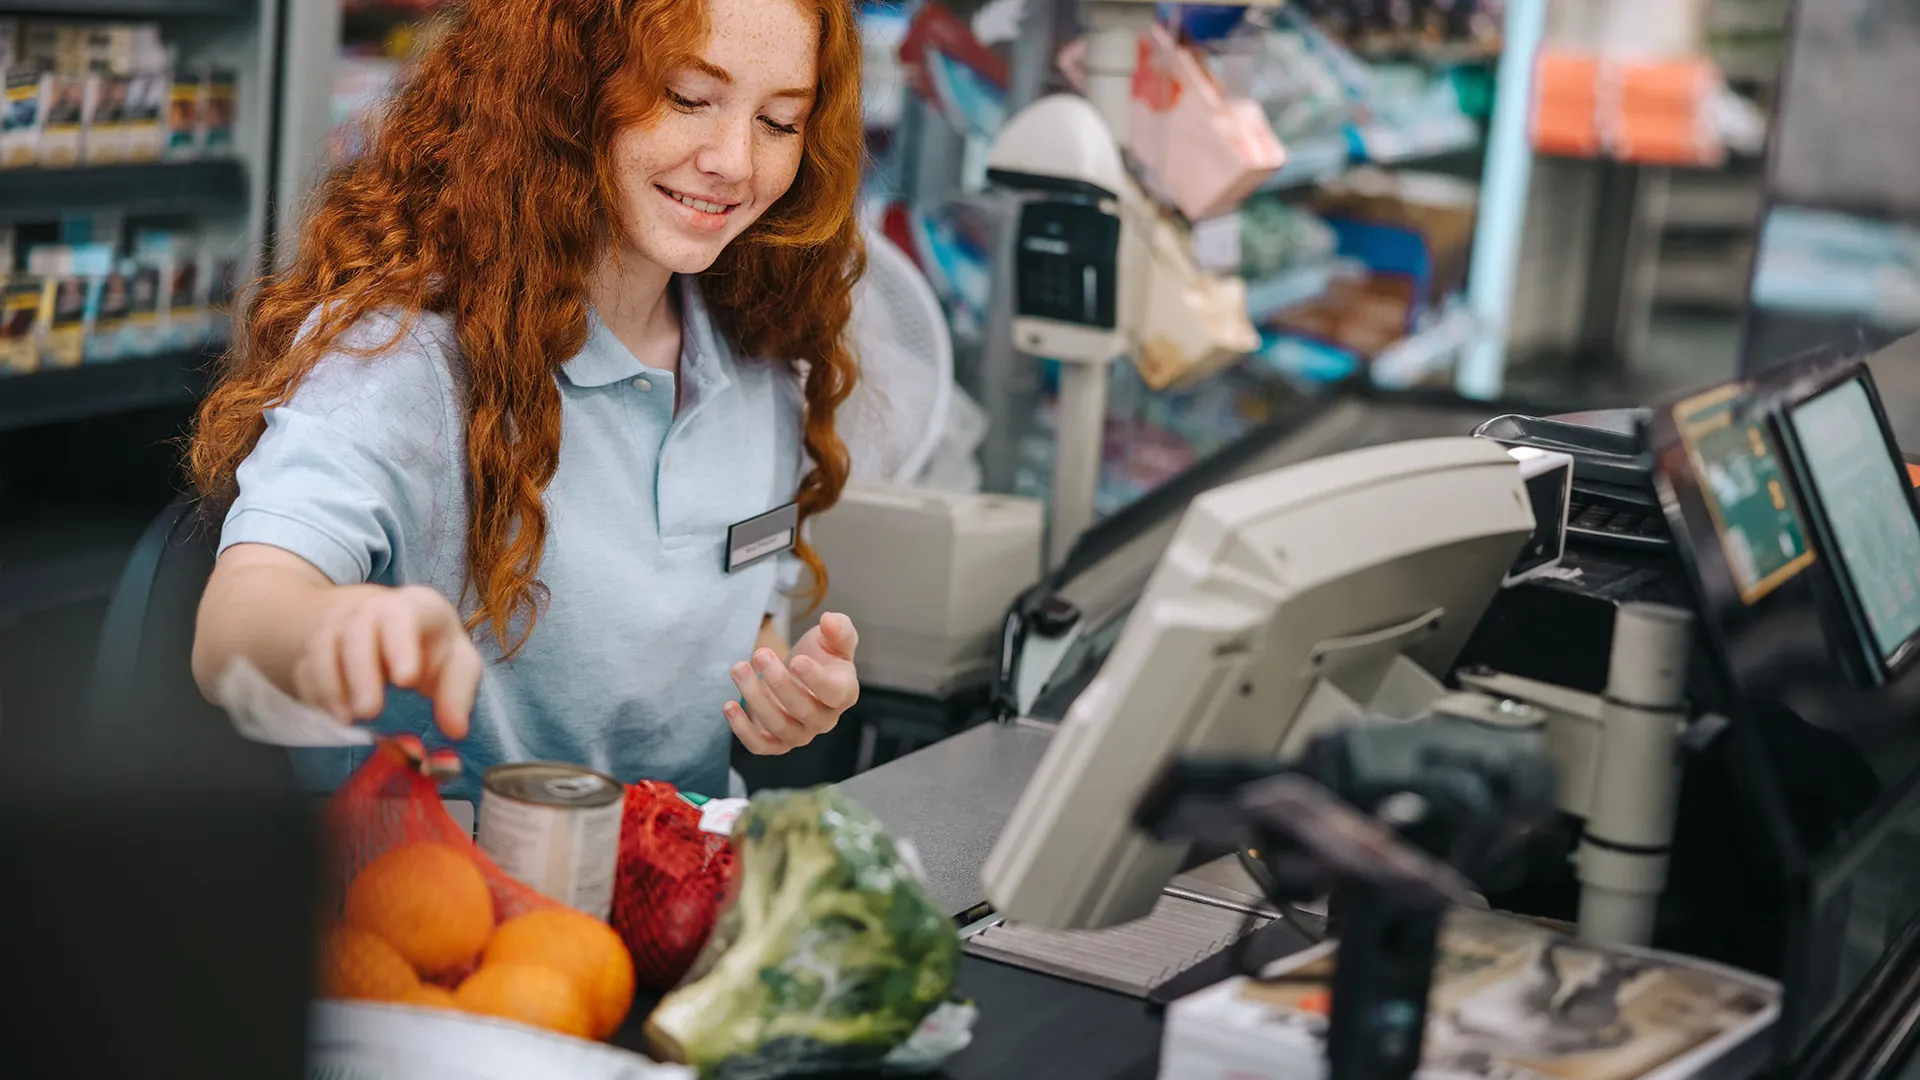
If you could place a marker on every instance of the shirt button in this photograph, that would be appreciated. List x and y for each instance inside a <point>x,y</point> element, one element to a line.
<point>643,384</point>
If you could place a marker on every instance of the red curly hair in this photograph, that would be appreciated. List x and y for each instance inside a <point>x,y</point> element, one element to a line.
<point>488,194</point>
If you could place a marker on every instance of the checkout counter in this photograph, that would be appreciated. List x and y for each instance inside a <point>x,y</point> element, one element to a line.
<point>1842,886</point>
<point>1801,828</point>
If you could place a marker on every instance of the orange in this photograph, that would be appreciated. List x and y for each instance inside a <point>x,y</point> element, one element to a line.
<point>427,900</point>
<point>356,964</point>
<point>539,996</point>
<point>578,945</point>
<point>431,996</point>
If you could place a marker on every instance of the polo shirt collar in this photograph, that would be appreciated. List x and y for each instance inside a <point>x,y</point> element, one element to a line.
<point>603,360</point>
<point>705,358</point>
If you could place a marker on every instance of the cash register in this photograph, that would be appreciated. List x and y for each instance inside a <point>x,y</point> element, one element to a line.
<point>1794,541</point>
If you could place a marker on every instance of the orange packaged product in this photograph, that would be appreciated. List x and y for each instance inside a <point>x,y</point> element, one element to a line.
<point>418,915</point>
<point>1566,106</point>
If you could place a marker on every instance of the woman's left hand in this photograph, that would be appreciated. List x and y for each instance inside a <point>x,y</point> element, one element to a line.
<point>789,704</point>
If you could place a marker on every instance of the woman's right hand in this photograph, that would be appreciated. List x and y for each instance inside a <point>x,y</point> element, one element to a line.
<point>372,637</point>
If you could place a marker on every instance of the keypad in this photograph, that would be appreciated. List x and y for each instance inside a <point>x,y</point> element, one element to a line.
<point>1638,525</point>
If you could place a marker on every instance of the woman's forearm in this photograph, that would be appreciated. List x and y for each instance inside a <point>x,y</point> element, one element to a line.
<point>262,605</point>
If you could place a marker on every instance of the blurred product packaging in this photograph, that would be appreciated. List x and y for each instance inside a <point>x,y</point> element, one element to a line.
<point>106,94</point>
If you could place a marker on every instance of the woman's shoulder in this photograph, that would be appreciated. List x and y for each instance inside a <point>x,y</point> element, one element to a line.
<point>388,351</point>
<point>388,363</point>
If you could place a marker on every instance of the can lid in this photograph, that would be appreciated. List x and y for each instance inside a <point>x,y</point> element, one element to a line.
<point>551,784</point>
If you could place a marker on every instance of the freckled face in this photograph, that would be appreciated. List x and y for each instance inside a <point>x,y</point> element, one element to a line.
<point>727,145</point>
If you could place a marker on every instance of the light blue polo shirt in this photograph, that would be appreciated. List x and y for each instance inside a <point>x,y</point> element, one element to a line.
<point>362,473</point>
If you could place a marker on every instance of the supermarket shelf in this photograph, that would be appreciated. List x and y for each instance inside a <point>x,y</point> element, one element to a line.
<point>1315,161</point>
<point>1272,296</point>
<point>1719,202</point>
<point>1309,162</point>
<point>1426,352</point>
<point>95,390</point>
<point>163,188</point>
<point>1702,282</point>
<point>128,8</point>
<point>1391,146</point>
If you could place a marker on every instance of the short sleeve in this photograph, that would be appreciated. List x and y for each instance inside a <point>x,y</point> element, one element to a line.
<point>360,464</point>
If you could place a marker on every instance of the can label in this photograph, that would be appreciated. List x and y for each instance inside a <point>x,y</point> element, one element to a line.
<point>565,852</point>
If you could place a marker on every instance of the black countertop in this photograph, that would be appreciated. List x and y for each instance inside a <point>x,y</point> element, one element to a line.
<point>1030,1025</point>
<point>1038,1026</point>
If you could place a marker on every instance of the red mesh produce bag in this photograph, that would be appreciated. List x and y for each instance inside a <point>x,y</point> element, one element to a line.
<point>672,881</point>
<point>391,802</point>
<point>415,912</point>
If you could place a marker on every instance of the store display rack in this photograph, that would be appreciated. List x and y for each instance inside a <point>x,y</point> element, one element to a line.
<point>106,389</point>
<point>1316,161</point>
<point>160,188</point>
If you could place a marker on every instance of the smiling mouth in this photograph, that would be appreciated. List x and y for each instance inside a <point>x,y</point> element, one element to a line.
<point>705,206</point>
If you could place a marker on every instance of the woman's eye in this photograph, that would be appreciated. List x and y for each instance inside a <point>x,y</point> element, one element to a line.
<point>684,103</point>
<point>778,128</point>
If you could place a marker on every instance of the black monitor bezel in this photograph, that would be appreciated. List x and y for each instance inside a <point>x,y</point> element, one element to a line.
<point>1804,384</point>
<point>1719,597</point>
<point>1804,1041</point>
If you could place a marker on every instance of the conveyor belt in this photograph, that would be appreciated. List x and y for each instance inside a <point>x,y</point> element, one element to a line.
<point>1131,959</point>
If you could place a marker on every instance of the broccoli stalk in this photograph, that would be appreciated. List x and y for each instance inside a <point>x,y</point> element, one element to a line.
<point>830,953</point>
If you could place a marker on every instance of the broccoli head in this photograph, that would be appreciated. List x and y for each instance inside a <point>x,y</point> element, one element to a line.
<point>829,956</point>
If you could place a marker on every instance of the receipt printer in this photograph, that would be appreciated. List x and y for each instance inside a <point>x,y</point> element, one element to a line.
<point>926,576</point>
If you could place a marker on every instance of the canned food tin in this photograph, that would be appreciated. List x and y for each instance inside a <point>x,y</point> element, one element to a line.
<point>555,828</point>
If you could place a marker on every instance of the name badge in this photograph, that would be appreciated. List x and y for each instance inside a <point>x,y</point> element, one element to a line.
<point>762,537</point>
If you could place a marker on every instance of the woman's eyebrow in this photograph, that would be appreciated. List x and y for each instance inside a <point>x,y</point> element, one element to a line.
<point>720,74</point>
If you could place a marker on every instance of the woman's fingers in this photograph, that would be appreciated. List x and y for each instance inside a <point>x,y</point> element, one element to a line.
<point>401,648</point>
<point>452,683</point>
<point>363,671</point>
<point>765,710</point>
<point>836,686</point>
<point>795,699</point>
<point>319,679</point>
<point>750,736</point>
<point>839,636</point>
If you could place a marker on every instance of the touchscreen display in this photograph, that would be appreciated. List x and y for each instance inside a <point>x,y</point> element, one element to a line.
<point>1868,507</point>
<point>1746,490</point>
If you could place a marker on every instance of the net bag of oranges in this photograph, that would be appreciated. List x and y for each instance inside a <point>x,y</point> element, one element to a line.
<point>416,914</point>
<point>672,879</point>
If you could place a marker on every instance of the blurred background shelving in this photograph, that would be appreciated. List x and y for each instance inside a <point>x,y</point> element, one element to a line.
<point>1632,277</point>
<point>149,218</point>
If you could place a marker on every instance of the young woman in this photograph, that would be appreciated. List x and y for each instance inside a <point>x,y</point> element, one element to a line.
<point>576,315</point>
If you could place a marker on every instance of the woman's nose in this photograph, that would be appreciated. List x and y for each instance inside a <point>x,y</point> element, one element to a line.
<point>729,153</point>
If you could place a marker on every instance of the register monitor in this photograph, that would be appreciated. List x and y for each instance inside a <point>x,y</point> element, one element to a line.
<point>1863,514</point>
<point>1285,603</point>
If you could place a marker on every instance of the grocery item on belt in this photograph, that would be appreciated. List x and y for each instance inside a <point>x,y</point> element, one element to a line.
<point>555,828</point>
<point>673,878</point>
<point>418,915</point>
<point>830,958</point>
